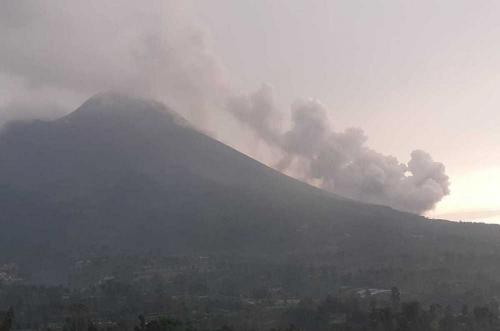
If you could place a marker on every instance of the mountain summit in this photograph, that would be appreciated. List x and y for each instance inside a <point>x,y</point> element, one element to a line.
<point>124,175</point>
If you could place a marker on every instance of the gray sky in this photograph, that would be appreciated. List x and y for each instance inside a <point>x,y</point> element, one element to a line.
<point>412,75</point>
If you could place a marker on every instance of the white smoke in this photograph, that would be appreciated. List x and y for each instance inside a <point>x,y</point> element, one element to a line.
<point>86,47</point>
<point>259,111</point>
<point>55,54</point>
<point>341,161</point>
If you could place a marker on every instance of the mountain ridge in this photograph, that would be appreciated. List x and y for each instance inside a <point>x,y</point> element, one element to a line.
<point>107,179</point>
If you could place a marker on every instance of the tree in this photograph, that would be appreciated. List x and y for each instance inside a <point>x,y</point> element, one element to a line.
<point>8,320</point>
<point>395,298</point>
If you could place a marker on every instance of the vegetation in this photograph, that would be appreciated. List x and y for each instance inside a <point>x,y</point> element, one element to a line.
<point>208,294</point>
<point>130,212</point>
<point>362,312</point>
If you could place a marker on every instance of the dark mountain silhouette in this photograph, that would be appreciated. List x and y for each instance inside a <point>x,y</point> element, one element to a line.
<point>123,175</point>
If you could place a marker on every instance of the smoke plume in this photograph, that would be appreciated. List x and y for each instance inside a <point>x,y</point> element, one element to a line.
<point>340,161</point>
<point>54,55</point>
<point>86,47</point>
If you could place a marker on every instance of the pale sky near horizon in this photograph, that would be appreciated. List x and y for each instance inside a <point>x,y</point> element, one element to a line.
<point>412,74</point>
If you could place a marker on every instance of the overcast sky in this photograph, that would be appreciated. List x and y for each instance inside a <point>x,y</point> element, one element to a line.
<point>412,74</point>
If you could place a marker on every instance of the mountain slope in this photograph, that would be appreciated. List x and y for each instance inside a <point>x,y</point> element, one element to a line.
<point>127,175</point>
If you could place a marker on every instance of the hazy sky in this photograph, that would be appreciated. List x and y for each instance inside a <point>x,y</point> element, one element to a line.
<point>412,74</point>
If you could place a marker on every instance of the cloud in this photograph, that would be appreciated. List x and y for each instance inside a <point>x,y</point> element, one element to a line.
<point>342,163</point>
<point>258,112</point>
<point>92,46</point>
<point>54,55</point>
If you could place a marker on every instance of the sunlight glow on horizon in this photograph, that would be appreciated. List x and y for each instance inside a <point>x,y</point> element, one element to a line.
<point>474,192</point>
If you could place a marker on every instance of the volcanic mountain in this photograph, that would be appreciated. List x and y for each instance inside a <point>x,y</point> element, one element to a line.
<point>125,175</point>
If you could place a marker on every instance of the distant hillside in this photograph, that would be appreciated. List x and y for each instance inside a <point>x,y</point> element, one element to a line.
<point>122,175</point>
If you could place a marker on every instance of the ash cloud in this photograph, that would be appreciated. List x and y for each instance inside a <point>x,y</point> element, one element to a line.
<point>87,47</point>
<point>258,111</point>
<point>55,55</point>
<point>342,163</point>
